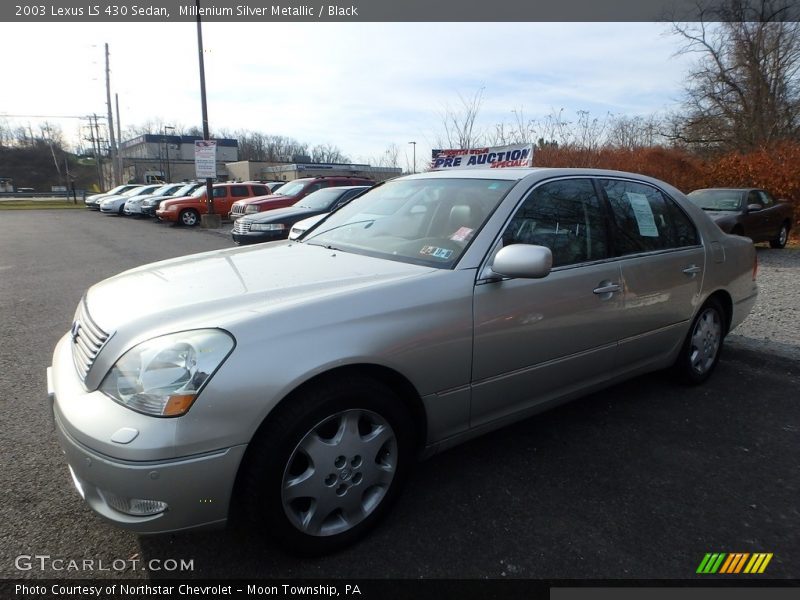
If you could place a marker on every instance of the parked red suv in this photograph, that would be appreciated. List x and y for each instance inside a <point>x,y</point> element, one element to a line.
<point>187,210</point>
<point>291,192</point>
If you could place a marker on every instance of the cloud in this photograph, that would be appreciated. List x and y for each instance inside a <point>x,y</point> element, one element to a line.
<point>359,86</point>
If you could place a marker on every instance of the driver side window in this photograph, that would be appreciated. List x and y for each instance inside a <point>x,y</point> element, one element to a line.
<point>565,216</point>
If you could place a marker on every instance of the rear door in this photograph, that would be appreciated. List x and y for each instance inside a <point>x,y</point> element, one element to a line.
<point>662,262</point>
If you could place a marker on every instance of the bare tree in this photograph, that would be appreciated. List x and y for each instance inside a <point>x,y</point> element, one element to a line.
<point>459,124</point>
<point>744,92</point>
<point>635,132</point>
<point>327,153</point>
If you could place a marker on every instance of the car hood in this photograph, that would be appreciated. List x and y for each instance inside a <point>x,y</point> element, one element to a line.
<point>261,199</point>
<point>720,214</point>
<point>216,288</point>
<point>114,198</point>
<point>176,199</point>
<point>276,215</point>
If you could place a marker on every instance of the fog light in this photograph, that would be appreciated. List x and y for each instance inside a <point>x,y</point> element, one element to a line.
<point>136,507</point>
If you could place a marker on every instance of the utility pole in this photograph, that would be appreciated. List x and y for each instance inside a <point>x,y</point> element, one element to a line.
<point>119,137</point>
<point>114,161</point>
<point>209,220</point>
<point>102,179</point>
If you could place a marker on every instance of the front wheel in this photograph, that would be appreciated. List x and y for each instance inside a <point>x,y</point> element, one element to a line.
<point>326,468</point>
<point>189,217</point>
<point>701,349</point>
<point>783,237</point>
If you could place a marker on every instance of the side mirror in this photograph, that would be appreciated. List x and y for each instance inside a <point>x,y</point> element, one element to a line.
<point>524,261</point>
<point>753,207</point>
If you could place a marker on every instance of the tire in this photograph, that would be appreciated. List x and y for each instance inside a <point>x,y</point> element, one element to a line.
<point>783,237</point>
<point>702,347</point>
<point>189,217</point>
<point>327,467</point>
<point>121,211</point>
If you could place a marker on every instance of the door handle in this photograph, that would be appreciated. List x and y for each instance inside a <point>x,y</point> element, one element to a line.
<point>606,288</point>
<point>694,269</point>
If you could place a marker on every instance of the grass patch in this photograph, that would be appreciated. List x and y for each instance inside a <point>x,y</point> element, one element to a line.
<point>39,204</point>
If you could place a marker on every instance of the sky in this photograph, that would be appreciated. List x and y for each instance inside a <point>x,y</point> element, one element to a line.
<point>358,86</point>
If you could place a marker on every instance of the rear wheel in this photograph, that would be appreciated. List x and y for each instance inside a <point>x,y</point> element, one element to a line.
<point>701,349</point>
<point>783,237</point>
<point>189,217</point>
<point>121,211</point>
<point>324,470</point>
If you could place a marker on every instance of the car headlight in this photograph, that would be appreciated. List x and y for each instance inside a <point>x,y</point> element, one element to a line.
<point>164,376</point>
<point>251,208</point>
<point>267,227</point>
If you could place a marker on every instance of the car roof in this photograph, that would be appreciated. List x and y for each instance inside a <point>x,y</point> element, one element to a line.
<point>519,173</point>
<point>725,189</point>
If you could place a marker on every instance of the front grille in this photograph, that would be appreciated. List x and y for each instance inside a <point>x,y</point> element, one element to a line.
<point>87,340</point>
<point>242,226</point>
<point>237,209</point>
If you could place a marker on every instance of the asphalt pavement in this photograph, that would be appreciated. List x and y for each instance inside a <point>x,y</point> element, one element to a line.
<point>638,481</point>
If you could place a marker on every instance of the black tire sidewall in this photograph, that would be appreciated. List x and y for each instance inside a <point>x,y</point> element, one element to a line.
<point>187,212</point>
<point>275,443</point>
<point>776,243</point>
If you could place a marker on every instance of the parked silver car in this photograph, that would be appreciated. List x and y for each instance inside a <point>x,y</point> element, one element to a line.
<point>296,384</point>
<point>116,204</point>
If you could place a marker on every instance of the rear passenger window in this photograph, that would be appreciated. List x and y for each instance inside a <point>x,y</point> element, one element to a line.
<point>240,190</point>
<point>566,216</point>
<point>645,220</point>
<point>260,190</point>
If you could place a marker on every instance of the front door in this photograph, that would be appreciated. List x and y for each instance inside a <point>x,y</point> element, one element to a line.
<point>536,339</point>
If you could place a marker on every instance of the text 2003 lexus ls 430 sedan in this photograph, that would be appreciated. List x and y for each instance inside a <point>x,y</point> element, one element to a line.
<point>297,384</point>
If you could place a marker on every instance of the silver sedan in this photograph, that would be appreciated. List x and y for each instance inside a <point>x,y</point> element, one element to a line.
<point>297,384</point>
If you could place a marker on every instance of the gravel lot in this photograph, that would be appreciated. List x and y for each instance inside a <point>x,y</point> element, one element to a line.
<point>774,324</point>
<point>637,481</point>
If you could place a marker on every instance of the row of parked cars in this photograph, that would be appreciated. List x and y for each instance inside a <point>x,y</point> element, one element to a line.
<point>261,211</point>
<point>269,211</point>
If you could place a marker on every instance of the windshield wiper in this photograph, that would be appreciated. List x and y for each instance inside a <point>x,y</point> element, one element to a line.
<point>370,221</point>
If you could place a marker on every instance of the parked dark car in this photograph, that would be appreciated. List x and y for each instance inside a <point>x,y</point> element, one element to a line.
<point>275,224</point>
<point>750,212</point>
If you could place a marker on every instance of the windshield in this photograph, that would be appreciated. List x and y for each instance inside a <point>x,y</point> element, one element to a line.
<point>421,221</point>
<point>117,190</point>
<point>142,191</point>
<point>292,188</point>
<point>186,189</point>
<point>321,199</point>
<point>133,191</point>
<point>165,190</point>
<point>717,199</point>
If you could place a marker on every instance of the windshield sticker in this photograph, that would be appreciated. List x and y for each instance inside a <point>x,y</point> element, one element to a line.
<point>643,213</point>
<point>442,253</point>
<point>462,234</point>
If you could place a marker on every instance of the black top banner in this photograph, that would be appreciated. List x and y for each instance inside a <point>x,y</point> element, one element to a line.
<point>392,11</point>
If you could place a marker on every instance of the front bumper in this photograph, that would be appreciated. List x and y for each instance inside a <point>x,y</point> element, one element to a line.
<point>167,215</point>
<point>197,489</point>
<point>256,237</point>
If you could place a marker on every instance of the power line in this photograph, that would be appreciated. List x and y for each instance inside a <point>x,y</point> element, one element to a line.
<point>49,116</point>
